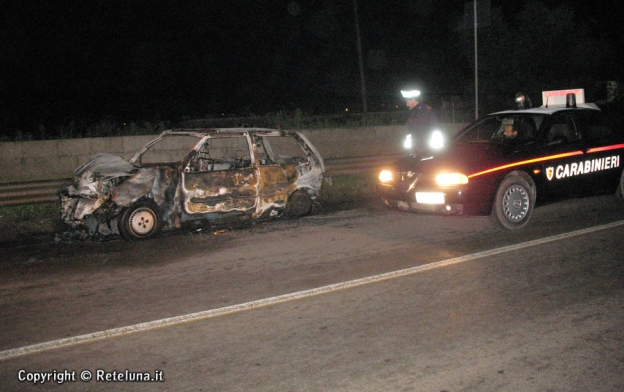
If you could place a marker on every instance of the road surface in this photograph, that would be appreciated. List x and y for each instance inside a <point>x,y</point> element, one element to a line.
<point>362,300</point>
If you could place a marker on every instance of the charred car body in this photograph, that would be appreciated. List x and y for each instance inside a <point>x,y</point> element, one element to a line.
<point>556,150</point>
<point>194,175</point>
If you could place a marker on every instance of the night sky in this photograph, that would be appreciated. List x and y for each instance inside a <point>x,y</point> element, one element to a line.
<point>163,59</point>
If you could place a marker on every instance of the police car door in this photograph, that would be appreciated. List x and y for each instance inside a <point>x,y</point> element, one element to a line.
<point>564,150</point>
<point>602,165</point>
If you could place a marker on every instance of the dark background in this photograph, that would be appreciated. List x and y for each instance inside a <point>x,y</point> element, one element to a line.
<point>64,61</point>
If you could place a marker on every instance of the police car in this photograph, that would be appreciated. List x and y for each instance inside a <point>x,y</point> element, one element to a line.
<point>500,164</point>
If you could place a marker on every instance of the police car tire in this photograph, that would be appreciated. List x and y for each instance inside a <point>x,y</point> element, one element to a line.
<point>140,221</point>
<point>620,189</point>
<point>514,202</point>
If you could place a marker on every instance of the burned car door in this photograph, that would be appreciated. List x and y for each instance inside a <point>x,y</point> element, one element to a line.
<point>220,177</point>
<point>290,173</point>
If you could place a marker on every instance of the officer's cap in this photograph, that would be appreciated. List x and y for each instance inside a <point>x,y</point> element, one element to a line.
<point>410,94</point>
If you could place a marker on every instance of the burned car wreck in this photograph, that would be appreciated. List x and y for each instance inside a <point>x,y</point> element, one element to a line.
<point>194,175</point>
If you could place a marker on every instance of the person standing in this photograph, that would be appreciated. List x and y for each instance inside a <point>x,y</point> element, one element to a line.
<point>419,122</point>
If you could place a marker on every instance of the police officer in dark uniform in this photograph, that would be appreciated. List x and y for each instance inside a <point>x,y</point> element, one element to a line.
<point>420,121</point>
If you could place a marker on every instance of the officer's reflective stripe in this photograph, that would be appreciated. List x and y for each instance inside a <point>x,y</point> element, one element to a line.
<point>541,159</point>
<point>605,148</point>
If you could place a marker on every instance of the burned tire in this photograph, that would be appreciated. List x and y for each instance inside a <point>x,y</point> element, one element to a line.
<point>514,203</point>
<point>299,204</point>
<point>140,221</point>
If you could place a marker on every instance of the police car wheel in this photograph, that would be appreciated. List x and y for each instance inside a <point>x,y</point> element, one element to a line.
<point>620,189</point>
<point>514,202</point>
<point>140,221</point>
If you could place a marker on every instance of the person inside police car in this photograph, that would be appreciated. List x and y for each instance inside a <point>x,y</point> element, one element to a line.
<point>420,120</point>
<point>510,131</point>
<point>517,130</point>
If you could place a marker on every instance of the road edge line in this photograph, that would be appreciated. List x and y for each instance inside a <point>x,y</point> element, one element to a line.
<point>171,321</point>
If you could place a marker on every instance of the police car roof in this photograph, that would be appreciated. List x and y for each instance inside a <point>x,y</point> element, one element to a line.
<point>550,109</point>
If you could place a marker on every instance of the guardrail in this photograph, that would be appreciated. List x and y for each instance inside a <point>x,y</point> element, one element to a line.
<point>34,192</point>
<point>357,165</point>
<point>30,192</point>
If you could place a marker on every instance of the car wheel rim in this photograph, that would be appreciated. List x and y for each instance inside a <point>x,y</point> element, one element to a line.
<point>142,222</point>
<point>515,203</point>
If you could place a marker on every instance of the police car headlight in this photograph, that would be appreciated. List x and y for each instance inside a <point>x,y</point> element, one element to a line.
<point>446,179</point>
<point>436,140</point>
<point>385,176</point>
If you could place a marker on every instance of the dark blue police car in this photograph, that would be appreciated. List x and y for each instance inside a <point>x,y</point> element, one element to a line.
<point>500,164</point>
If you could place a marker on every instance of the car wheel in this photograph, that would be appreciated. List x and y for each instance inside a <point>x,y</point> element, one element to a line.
<point>299,203</point>
<point>514,202</point>
<point>140,221</point>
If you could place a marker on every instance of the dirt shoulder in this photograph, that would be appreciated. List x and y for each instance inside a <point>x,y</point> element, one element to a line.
<point>47,248</point>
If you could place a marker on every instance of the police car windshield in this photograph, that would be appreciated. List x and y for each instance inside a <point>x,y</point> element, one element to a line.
<point>503,128</point>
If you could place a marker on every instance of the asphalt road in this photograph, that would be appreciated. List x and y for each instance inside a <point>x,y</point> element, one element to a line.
<point>361,300</point>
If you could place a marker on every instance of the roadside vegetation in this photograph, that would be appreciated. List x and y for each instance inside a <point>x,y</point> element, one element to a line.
<point>23,222</point>
<point>348,191</point>
<point>109,127</point>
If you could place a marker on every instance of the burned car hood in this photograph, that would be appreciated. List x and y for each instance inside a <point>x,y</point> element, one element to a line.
<point>468,158</point>
<point>107,165</point>
<point>100,168</point>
